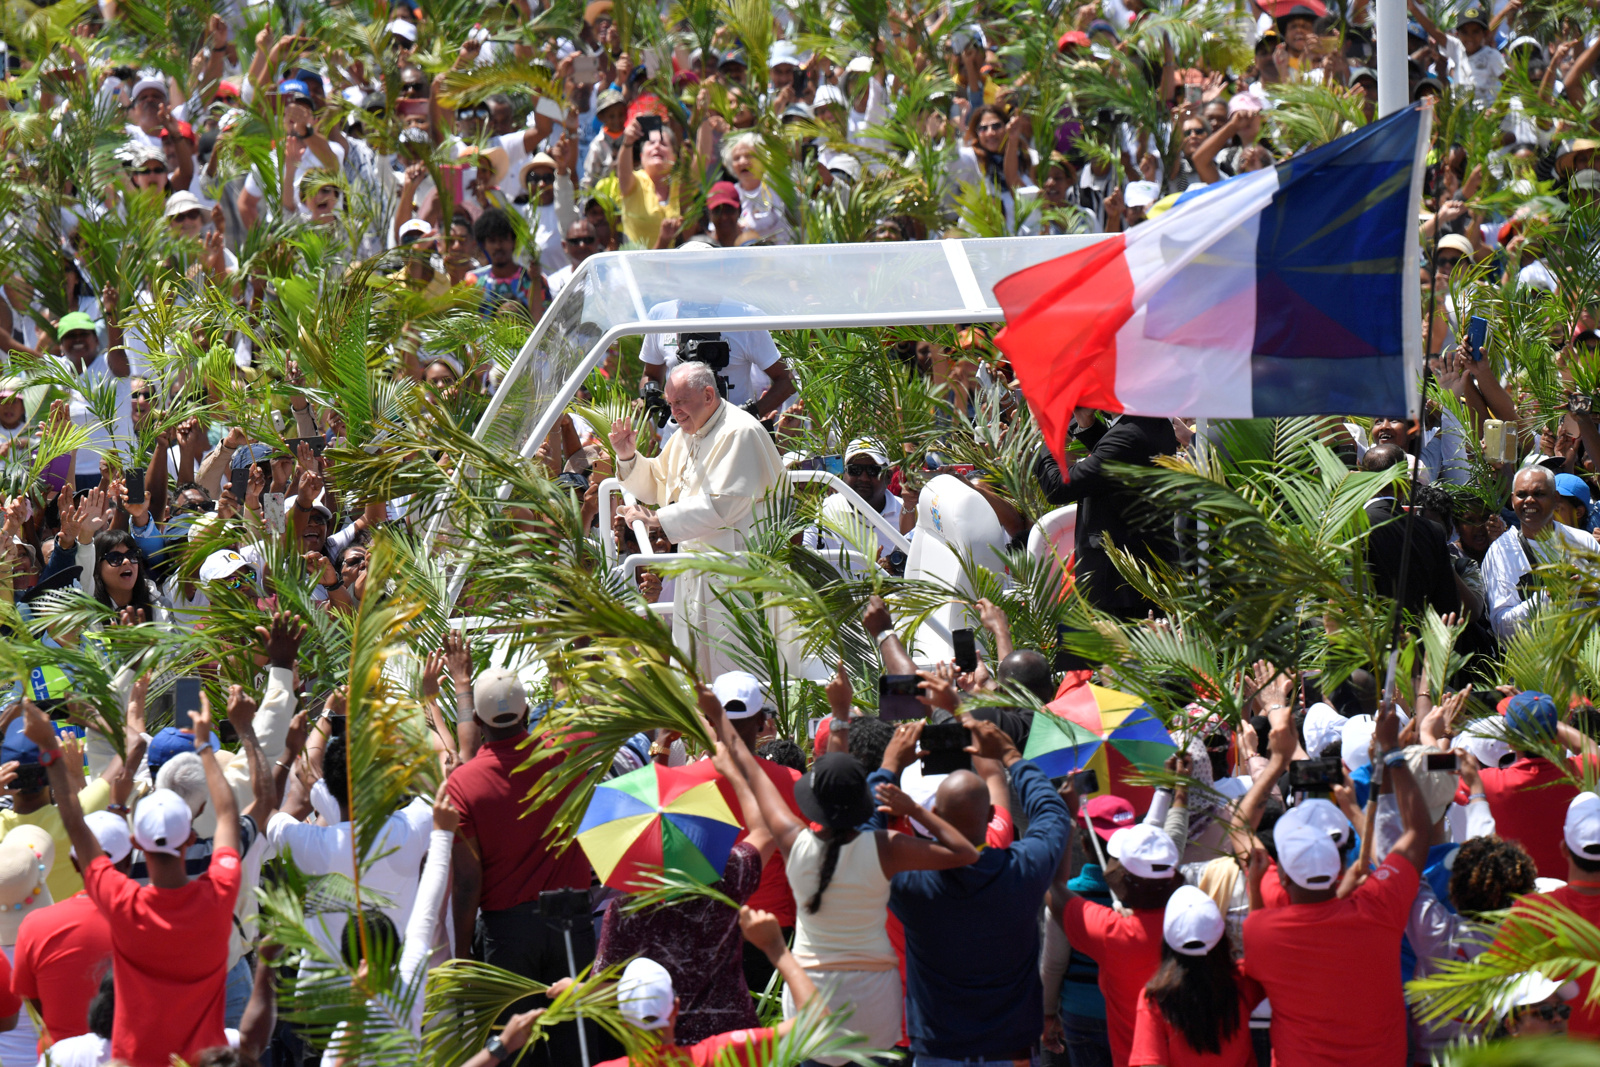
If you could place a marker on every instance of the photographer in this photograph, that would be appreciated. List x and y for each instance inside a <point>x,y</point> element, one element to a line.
<point>742,359</point>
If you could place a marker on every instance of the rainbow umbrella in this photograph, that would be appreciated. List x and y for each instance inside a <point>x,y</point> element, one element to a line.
<point>659,818</point>
<point>1113,733</point>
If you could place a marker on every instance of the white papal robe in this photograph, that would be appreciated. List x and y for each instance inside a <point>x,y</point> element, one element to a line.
<point>710,488</point>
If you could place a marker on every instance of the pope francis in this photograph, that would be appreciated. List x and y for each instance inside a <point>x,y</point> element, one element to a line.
<point>710,483</point>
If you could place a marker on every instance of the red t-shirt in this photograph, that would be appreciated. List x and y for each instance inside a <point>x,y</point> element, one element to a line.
<point>10,1003</point>
<point>1332,972</point>
<point>1273,895</point>
<point>1128,950</point>
<point>773,894</point>
<point>1585,1016</point>
<point>169,951</point>
<point>750,1049</point>
<point>1155,1042</point>
<point>518,863</point>
<point>1528,810</point>
<point>62,953</point>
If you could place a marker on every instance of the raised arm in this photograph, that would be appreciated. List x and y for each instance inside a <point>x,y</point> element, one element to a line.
<point>38,729</point>
<point>761,929</point>
<point>760,838</point>
<point>1281,743</point>
<point>907,852</point>
<point>1413,843</point>
<point>223,805</point>
<point>242,714</point>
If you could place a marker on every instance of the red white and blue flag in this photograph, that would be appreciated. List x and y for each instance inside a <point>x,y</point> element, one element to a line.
<point>1286,291</point>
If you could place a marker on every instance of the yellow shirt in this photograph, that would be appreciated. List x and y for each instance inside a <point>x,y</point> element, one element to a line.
<point>63,880</point>
<point>643,212</point>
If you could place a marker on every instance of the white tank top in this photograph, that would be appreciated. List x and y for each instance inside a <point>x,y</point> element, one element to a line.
<point>847,932</point>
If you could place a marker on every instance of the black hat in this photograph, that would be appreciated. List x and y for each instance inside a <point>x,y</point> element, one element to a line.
<point>834,792</point>
<point>1473,14</point>
<point>1298,11</point>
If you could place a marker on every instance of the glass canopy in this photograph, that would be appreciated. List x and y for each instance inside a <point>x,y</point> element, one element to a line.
<point>617,294</point>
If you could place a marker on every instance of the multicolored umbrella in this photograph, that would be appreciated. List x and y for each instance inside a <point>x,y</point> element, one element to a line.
<point>659,818</point>
<point>1113,733</point>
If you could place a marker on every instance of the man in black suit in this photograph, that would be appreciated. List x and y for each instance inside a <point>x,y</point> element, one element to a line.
<point>1430,576</point>
<point>1108,510</point>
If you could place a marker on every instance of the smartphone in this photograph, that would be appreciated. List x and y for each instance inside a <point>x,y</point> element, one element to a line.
<point>55,707</point>
<point>648,125</point>
<point>966,650</point>
<point>585,68</point>
<point>897,696</point>
<point>273,513</point>
<point>1086,781</point>
<point>1315,775</point>
<point>944,745</point>
<point>133,480</point>
<point>239,481</point>
<point>550,109</point>
<point>185,698</point>
<point>799,82</point>
<point>453,175</point>
<point>227,733</point>
<point>1192,93</point>
<point>336,724</point>
<point>1442,761</point>
<point>318,444</point>
<point>1477,336</point>
<point>1499,441</point>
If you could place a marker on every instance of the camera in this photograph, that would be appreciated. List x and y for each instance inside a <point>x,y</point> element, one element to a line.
<point>1316,775</point>
<point>564,907</point>
<point>707,348</point>
<point>656,407</point>
<point>1580,403</point>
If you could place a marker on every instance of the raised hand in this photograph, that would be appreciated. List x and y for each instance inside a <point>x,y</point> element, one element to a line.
<point>624,438</point>
<point>282,638</point>
<point>458,659</point>
<point>241,710</point>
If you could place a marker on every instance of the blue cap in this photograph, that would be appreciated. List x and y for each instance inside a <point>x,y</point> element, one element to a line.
<point>170,742</point>
<point>1532,714</point>
<point>1578,489</point>
<point>17,747</point>
<point>294,87</point>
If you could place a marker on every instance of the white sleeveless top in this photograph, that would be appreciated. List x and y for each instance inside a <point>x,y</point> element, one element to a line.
<point>847,932</point>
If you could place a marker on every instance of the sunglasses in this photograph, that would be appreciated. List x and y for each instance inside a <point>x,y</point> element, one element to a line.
<point>863,470</point>
<point>1550,1012</point>
<point>354,561</point>
<point>579,241</point>
<point>541,177</point>
<point>189,216</point>
<point>117,559</point>
<point>239,580</point>
<point>987,126</point>
<point>414,88</point>
<point>1446,263</point>
<point>153,171</point>
<point>143,394</point>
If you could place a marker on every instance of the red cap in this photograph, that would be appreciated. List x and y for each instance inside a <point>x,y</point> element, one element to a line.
<point>1072,37</point>
<point>1109,814</point>
<point>722,193</point>
<point>227,91</point>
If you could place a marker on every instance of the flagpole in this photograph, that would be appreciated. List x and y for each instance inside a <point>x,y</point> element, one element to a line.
<point>1389,24</point>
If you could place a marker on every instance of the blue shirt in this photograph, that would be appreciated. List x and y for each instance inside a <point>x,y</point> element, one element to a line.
<point>972,937</point>
<point>1080,986</point>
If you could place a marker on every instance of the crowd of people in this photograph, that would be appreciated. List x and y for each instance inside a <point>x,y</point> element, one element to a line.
<point>267,265</point>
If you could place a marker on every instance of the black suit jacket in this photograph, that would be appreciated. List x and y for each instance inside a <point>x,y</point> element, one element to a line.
<point>1430,570</point>
<point>1108,509</point>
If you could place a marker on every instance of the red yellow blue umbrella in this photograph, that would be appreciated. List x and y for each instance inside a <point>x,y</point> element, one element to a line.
<point>659,818</point>
<point>1113,733</point>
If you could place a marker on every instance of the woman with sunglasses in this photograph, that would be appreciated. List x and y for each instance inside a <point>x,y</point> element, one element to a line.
<point>118,578</point>
<point>990,157</point>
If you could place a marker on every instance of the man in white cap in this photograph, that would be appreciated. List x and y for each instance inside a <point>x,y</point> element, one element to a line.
<point>168,1001</point>
<point>745,707</point>
<point>148,113</point>
<point>647,1000</point>
<point>711,482</point>
<point>867,472</point>
<point>1137,198</point>
<point>502,860</point>
<point>1324,942</point>
<point>62,950</point>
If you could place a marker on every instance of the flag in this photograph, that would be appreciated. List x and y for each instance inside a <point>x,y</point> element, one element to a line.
<point>1286,291</point>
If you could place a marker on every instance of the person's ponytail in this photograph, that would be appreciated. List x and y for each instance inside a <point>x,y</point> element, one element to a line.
<point>830,861</point>
<point>1198,996</point>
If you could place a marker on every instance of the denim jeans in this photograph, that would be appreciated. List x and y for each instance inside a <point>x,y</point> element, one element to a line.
<point>924,1060</point>
<point>1087,1045</point>
<point>241,980</point>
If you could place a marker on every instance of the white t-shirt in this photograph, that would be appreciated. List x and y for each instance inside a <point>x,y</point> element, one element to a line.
<point>762,212</point>
<point>749,351</point>
<point>308,162</point>
<point>1481,70</point>
<point>103,440</point>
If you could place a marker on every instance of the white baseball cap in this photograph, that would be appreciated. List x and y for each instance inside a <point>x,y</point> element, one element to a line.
<point>645,995</point>
<point>828,94</point>
<point>1305,852</point>
<point>182,202</point>
<point>112,833</point>
<point>161,823</point>
<point>402,28</point>
<point>1193,924</point>
<point>1356,739</point>
<point>1485,740</point>
<point>1141,194</point>
<point>411,226</point>
<point>1326,816</point>
<point>1323,727</point>
<point>148,79</point>
<point>866,446</point>
<point>499,698</point>
<point>783,52</point>
<point>1146,851</point>
<point>222,563</point>
<point>1582,829</point>
<point>739,687</point>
